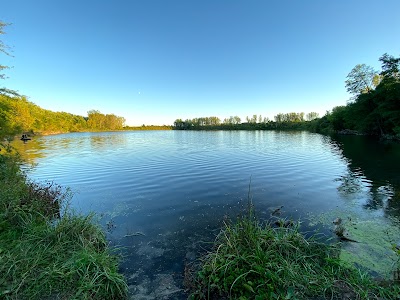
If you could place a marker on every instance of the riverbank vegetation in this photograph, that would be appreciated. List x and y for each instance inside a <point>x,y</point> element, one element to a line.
<point>18,115</point>
<point>47,251</point>
<point>251,260</point>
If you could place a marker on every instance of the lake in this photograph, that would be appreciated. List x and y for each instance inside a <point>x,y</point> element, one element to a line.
<point>162,196</point>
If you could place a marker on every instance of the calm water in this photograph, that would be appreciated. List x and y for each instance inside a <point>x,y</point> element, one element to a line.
<point>163,195</point>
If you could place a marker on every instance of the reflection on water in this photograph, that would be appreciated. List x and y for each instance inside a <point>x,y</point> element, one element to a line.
<point>162,195</point>
<point>373,171</point>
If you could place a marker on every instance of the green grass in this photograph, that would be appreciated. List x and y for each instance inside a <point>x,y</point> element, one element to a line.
<point>254,261</point>
<point>47,256</point>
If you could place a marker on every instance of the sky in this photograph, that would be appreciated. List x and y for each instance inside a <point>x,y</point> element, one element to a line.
<point>152,62</point>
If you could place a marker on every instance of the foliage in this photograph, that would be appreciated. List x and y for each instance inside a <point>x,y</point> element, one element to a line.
<point>18,115</point>
<point>360,79</point>
<point>197,123</point>
<point>312,116</point>
<point>232,120</point>
<point>373,111</point>
<point>148,127</point>
<point>254,261</point>
<point>289,117</point>
<point>44,255</point>
<point>3,49</point>
<point>99,121</point>
<point>390,66</point>
<point>338,117</point>
<point>288,121</point>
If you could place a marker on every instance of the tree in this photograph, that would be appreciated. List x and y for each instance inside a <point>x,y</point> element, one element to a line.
<point>360,79</point>
<point>3,49</point>
<point>390,66</point>
<point>338,117</point>
<point>279,118</point>
<point>312,116</point>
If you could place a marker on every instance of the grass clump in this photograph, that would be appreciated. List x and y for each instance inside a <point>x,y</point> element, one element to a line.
<point>250,260</point>
<point>46,255</point>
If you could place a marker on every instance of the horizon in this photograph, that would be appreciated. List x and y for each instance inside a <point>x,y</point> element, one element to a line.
<point>155,62</point>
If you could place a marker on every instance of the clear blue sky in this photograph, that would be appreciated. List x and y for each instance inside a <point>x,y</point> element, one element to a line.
<point>154,61</point>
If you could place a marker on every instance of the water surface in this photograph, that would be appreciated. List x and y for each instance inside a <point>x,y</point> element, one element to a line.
<point>163,195</point>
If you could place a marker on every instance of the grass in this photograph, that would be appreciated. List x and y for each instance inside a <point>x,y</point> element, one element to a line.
<point>250,260</point>
<point>46,255</point>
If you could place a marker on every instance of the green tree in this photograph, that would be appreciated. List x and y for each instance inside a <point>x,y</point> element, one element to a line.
<point>360,79</point>
<point>312,116</point>
<point>390,66</point>
<point>96,120</point>
<point>279,118</point>
<point>338,117</point>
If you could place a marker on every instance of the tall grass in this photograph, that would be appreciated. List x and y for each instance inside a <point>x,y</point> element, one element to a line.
<point>46,255</point>
<point>250,260</point>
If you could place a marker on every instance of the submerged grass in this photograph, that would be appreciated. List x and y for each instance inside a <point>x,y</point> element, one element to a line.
<point>250,260</point>
<point>44,255</point>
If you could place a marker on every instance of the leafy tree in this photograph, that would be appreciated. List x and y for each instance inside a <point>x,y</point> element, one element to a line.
<point>252,120</point>
<point>377,80</point>
<point>360,79</point>
<point>390,66</point>
<point>3,49</point>
<point>279,118</point>
<point>312,116</point>
<point>237,120</point>
<point>338,117</point>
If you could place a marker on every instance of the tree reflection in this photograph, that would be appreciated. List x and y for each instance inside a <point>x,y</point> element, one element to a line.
<point>372,172</point>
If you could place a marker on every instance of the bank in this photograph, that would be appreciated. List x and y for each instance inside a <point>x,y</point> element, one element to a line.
<point>254,260</point>
<point>46,250</point>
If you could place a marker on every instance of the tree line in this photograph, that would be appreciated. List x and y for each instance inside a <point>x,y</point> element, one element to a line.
<point>281,121</point>
<point>17,115</point>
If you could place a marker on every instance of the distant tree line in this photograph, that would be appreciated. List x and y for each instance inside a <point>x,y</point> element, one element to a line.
<point>282,121</point>
<point>148,127</point>
<point>17,115</point>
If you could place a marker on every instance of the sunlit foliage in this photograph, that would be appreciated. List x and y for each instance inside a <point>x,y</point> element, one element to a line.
<point>18,115</point>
